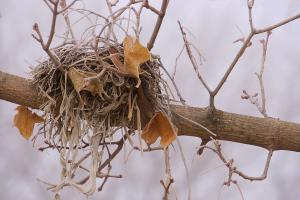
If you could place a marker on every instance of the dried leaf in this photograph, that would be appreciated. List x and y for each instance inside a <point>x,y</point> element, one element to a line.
<point>83,80</point>
<point>24,120</point>
<point>134,55</point>
<point>159,126</point>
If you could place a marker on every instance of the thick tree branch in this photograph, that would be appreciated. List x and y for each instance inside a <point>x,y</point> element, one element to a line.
<point>268,133</point>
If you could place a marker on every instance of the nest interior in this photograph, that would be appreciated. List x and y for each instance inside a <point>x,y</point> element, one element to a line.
<point>76,119</point>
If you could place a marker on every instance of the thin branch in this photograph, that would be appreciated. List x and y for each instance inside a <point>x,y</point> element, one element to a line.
<point>49,6</point>
<point>277,25</point>
<point>53,25</point>
<point>260,75</point>
<point>169,180</point>
<point>119,12</point>
<point>192,58</point>
<point>246,44</point>
<point>232,65</point>
<point>176,62</point>
<point>114,154</point>
<point>250,6</point>
<point>264,174</point>
<point>159,21</point>
<point>46,46</point>
<point>254,98</point>
<point>233,169</point>
<point>173,82</point>
<point>66,7</point>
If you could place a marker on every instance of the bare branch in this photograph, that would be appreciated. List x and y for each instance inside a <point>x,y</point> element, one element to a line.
<point>233,169</point>
<point>277,25</point>
<point>169,180</point>
<point>173,82</point>
<point>264,174</point>
<point>159,21</point>
<point>46,46</point>
<point>260,75</point>
<point>232,65</point>
<point>192,58</point>
<point>246,44</point>
<point>268,133</point>
<point>53,25</point>
<point>66,7</point>
<point>67,19</point>
<point>250,6</point>
<point>254,98</point>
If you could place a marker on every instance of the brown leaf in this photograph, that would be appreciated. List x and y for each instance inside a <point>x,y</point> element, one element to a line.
<point>85,81</point>
<point>134,55</point>
<point>159,126</point>
<point>24,120</point>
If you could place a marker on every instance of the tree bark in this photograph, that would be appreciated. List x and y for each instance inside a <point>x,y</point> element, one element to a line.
<point>268,133</point>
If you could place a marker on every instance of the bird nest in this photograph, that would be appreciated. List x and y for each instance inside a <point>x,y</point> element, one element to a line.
<point>88,101</point>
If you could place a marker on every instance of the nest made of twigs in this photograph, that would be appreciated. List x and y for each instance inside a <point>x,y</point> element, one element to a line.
<point>111,106</point>
<point>75,120</point>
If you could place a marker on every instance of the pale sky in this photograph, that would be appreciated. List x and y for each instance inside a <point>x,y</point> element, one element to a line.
<point>215,24</point>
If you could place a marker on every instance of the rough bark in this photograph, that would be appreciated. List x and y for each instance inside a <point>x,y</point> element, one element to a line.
<point>268,133</point>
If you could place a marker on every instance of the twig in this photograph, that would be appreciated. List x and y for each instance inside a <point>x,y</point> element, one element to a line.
<point>176,62</point>
<point>277,25</point>
<point>110,23</point>
<point>105,178</point>
<point>66,7</point>
<point>173,82</point>
<point>264,174</point>
<point>253,98</point>
<point>120,11</point>
<point>39,38</point>
<point>250,6</point>
<point>65,13</point>
<point>166,185</point>
<point>246,43</point>
<point>233,169</point>
<point>192,58</point>
<point>260,75</point>
<point>159,21</point>
<point>148,149</point>
<point>114,154</point>
<point>232,65</point>
<point>186,169</point>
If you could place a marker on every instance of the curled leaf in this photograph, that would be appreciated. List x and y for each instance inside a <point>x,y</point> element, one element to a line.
<point>159,126</point>
<point>134,55</point>
<point>24,120</point>
<point>83,80</point>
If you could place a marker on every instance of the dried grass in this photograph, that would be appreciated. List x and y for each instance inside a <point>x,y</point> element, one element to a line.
<point>71,126</point>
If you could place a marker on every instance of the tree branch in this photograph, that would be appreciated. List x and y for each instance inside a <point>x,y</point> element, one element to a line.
<point>268,133</point>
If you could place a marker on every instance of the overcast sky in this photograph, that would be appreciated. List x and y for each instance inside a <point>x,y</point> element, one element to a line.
<point>215,24</point>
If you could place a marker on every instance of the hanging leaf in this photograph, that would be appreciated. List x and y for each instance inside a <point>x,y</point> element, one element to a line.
<point>159,126</point>
<point>24,120</point>
<point>83,80</point>
<point>134,55</point>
